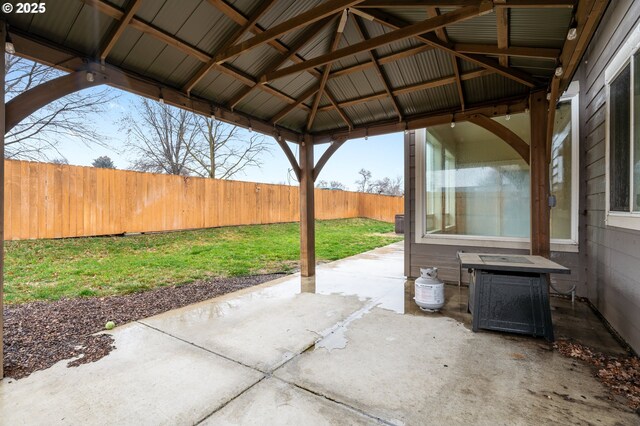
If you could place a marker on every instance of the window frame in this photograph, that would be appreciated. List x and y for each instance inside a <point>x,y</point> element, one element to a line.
<point>561,245</point>
<point>624,57</point>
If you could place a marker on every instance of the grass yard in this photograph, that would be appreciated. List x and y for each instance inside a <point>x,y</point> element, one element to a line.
<point>100,266</point>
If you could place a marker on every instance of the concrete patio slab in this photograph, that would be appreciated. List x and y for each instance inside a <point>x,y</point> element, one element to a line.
<point>150,379</point>
<point>274,402</point>
<point>349,346</point>
<point>416,369</point>
<point>261,332</point>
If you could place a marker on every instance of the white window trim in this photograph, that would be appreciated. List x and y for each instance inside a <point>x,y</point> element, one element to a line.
<point>560,245</point>
<point>629,220</point>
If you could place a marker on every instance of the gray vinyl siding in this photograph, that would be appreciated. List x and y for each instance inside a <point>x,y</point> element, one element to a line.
<point>612,254</point>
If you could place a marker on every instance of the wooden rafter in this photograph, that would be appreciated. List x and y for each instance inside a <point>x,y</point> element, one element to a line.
<point>376,65</point>
<point>441,33</point>
<point>262,9</point>
<point>512,4</point>
<point>325,73</point>
<point>524,52</point>
<point>286,110</point>
<point>381,60</point>
<point>502,25</point>
<point>418,121</point>
<point>413,88</point>
<point>187,49</point>
<point>405,32</point>
<point>391,21</point>
<point>113,38</point>
<point>276,63</point>
<point>306,18</point>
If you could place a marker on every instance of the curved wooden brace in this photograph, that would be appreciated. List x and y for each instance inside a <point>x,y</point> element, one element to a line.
<point>514,141</point>
<point>290,156</point>
<point>25,104</point>
<point>325,157</point>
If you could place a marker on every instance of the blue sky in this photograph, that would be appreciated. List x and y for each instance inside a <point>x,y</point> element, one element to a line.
<point>382,155</point>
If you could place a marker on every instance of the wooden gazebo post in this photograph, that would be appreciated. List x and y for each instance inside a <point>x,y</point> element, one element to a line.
<point>539,175</point>
<point>307,213</point>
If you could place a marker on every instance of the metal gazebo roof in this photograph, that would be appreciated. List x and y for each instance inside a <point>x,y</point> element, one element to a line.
<point>314,68</point>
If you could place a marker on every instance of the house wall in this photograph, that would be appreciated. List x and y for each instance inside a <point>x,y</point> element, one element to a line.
<point>443,257</point>
<point>612,254</point>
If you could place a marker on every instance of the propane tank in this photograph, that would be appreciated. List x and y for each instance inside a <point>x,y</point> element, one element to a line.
<point>429,290</point>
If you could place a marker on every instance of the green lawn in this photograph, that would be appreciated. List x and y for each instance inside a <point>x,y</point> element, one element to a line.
<point>51,269</point>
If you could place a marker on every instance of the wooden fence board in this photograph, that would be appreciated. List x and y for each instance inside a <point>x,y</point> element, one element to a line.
<point>58,201</point>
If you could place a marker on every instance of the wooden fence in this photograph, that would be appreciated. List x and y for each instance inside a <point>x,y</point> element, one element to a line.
<point>45,200</point>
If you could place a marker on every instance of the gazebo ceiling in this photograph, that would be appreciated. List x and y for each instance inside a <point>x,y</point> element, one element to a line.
<point>329,69</point>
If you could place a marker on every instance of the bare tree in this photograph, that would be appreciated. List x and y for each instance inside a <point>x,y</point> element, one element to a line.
<point>103,162</point>
<point>364,182</point>
<point>61,161</point>
<point>160,136</point>
<point>334,184</point>
<point>39,135</point>
<point>387,186</point>
<point>221,151</point>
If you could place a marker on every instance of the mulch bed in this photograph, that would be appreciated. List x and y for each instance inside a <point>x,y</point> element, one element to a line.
<point>39,334</point>
<point>621,375</point>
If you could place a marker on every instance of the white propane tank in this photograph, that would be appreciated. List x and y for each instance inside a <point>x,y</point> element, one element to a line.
<point>429,290</point>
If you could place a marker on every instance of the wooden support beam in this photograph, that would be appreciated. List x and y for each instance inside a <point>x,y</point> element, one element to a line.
<point>325,9</point>
<point>307,214</point>
<point>502,25</point>
<point>276,63</point>
<point>513,140</point>
<point>340,111</point>
<point>391,21</point>
<point>325,73</point>
<point>381,74</point>
<point>3,131</point>
<point>199,75</point>
<point>403,33</point>
<point>418,121</point>
<point>539,170</point>
<point>551,115</point>
<point>325,157</point>
<point>441,33</point>
<point>113,38</point>
<point>292,158</point>
<point>412,88</point>
<point>523,52</point>
<point>456,71</point>
<point>26,103</point>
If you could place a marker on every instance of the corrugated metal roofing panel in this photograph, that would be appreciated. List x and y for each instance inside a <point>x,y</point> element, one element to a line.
<point>491,87</point>
<point>294,85</point>
<point>355,85</point>
<point>371,112</point>
<point>173,15</point>
<point>165,63</point>
<point>255,60</point>
<point>261,105</point>
<point>409,14</point>
<point>218,87</point>
<point>435,99</point>
<point>295,120</point>
<point>127,41</point>
<point>56,23</point>
<point>328,120</point>
<point>425,66</point>
<point>143,53</point>
<point>534,66</point>
<point>481,29</point>
<point>539,27</point>
<point>88,30</point>
<point>207,28</point>
<point>149,9</point>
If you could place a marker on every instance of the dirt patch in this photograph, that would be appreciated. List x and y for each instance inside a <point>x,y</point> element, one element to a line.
<point>621,375</point>
<point>39,334</point>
